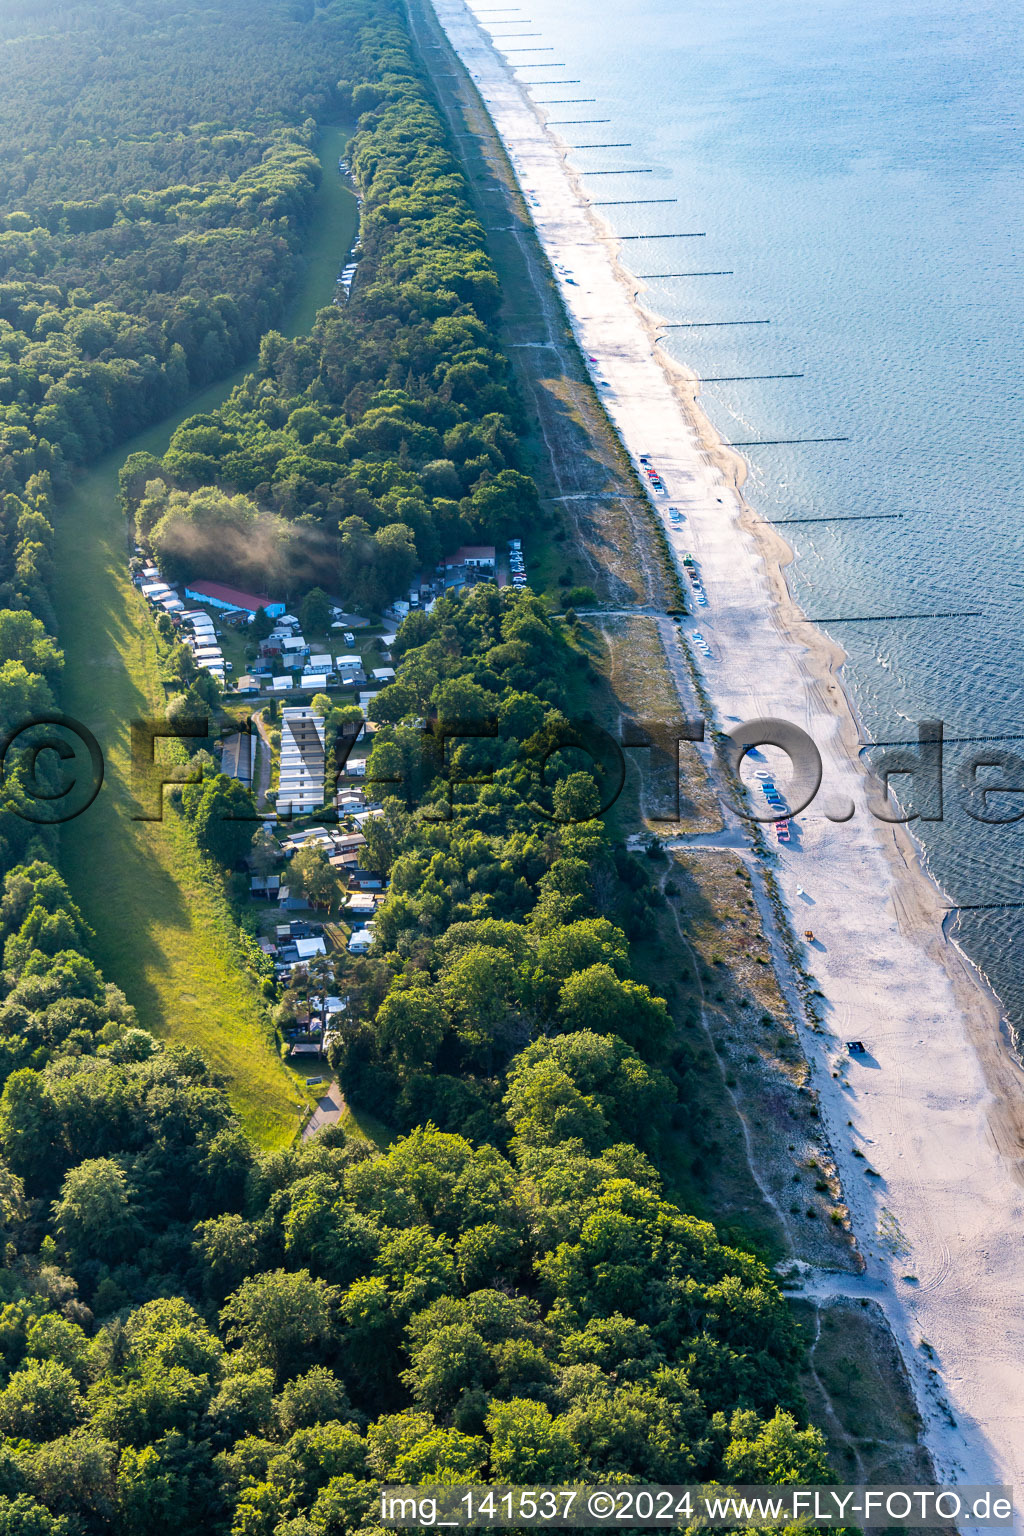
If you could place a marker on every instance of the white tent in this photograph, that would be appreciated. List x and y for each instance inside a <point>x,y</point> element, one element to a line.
<point>307,948</point>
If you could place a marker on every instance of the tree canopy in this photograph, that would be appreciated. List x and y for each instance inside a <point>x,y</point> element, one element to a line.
<point>197,1333</point>
<point>390,434</point>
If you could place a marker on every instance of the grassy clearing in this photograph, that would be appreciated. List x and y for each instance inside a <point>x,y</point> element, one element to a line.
<point>707,1167</point>
<point>641,679</point>
<point>638,668</point>
<point>733,990</point>
<point>356,1123</point>
<point>857,1390</point>
<point>164,929</point>
<point>366,1127</point>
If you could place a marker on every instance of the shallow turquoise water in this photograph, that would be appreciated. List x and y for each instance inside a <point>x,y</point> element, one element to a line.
<point>856,164</point>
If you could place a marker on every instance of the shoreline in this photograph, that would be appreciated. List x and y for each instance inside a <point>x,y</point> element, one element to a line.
<point>952,1112</point>
<point>826,662</point>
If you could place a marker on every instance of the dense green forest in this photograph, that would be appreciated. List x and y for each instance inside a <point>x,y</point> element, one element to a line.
<point>390,435</point>
<point>195,1333</point>
<point>157,170</point>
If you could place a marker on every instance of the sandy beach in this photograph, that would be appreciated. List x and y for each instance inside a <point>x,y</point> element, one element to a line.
<point>935,1107</point>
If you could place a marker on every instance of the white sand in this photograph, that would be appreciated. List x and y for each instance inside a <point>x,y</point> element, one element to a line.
<point>936,1110</point>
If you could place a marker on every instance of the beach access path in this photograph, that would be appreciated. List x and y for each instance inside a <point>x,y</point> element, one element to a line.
<point>934,1107</point>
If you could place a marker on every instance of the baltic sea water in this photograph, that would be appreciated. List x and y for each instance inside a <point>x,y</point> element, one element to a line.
<point>857,167</point>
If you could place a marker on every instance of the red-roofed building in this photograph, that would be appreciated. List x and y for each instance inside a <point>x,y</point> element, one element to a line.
<point>220,596</point>
<point>482,556</point>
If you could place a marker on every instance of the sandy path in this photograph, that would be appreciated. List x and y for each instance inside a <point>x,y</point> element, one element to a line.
<point>935,1108</point>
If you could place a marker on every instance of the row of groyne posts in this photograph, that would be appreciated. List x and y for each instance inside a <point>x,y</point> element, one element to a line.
<point>506,28</point>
